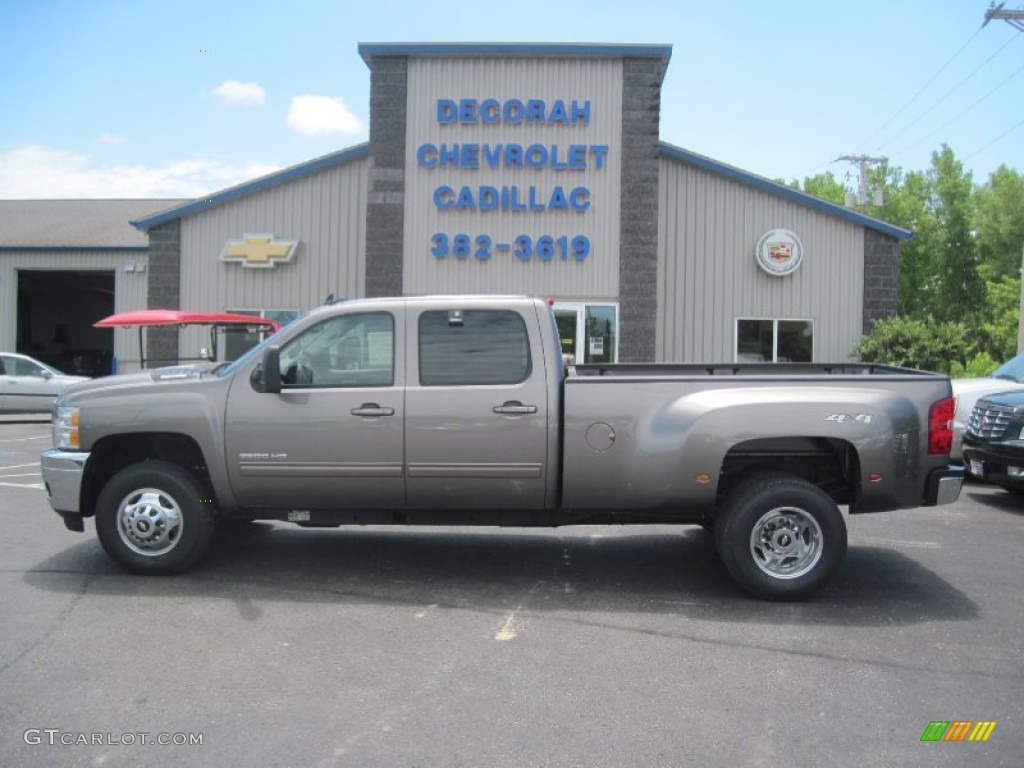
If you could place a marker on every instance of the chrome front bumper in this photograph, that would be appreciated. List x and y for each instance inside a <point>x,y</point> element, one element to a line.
<point>62,474</point>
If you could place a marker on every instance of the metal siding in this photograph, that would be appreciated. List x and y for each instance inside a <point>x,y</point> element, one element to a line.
<point>129,288</point>
<point>596,80</point>
<point>708,277</point>
<point>325,212</point>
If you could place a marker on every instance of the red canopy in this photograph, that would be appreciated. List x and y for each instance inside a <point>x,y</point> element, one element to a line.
<point>217,320</point>
<point>142,317</point>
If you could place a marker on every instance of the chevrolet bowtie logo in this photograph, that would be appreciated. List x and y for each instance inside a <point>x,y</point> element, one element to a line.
<point>260,251</point>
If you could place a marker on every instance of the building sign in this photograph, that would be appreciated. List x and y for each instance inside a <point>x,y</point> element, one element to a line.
<point>508,176</point>
<point>779,252</point>
<point>259,251</point>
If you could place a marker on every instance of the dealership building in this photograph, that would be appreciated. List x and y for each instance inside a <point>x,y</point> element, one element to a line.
<point>490,168</point>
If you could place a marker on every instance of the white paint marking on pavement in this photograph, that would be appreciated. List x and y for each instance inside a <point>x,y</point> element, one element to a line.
<point>508,631</point>
<point>19,466</point>
<point>422,614</point>
<point>23,485</point>
<point>22,474</point>
<point>24,439</point>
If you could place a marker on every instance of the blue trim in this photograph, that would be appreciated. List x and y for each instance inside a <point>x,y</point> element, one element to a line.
<point>367,50</point>
<point>781,190</point>
<point>75,248</point>
<point>249,187</point>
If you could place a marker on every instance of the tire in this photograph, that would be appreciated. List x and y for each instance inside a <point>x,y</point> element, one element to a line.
<point>780,537</point>
<point>154,518</point>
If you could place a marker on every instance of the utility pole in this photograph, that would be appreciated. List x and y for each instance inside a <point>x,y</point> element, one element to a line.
<point>1016,20</point>
<point>863,161</point>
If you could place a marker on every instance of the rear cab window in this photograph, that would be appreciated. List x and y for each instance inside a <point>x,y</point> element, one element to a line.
<point>473,347</point>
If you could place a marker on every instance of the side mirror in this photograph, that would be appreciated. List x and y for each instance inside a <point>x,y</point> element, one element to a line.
<point>267,375</point>
<point>46,374</point>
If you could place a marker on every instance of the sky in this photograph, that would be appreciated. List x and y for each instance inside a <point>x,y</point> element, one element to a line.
<point>139,99</point>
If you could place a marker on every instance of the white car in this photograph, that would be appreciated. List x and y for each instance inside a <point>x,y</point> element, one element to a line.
<point>29,386</point>
<point>966,392</point>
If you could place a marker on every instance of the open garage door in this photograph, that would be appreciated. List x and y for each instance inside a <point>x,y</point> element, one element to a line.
<point>56,310</point>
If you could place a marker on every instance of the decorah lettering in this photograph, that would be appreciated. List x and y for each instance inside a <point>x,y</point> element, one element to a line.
<point>513,111</point>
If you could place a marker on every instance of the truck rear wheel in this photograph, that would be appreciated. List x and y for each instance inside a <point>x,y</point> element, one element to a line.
<point>154,518</point>
<point>780,537</point>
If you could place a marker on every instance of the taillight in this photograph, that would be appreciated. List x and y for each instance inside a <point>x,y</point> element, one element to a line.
<point>940,426</point>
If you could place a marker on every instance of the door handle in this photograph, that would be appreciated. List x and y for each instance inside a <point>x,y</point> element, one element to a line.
<point>372,409</point>
<point>514,408</point>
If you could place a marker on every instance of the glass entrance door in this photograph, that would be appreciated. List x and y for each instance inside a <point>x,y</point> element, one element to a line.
<point>567,321</point>
<point>589,332</point>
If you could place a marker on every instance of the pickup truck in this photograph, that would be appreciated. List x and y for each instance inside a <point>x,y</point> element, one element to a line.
<point>459,410</point>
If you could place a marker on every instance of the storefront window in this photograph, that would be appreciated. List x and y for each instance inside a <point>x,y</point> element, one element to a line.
<point>774,341</point>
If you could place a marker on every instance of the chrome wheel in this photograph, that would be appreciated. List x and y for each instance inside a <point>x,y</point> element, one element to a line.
<point>150,522</point>
<point>786,542</point>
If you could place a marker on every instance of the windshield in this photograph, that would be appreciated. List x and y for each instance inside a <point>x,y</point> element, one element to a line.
<point>226,369</point>
<point>1012,369</point>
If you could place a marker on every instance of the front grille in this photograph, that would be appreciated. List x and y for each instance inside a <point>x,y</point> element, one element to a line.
<point>989,421</point>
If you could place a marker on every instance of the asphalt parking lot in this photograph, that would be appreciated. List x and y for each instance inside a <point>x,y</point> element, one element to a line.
<point>584,646</point>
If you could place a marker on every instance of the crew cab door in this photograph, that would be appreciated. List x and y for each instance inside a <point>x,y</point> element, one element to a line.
<point>476,409</point>
<point>332,438</point>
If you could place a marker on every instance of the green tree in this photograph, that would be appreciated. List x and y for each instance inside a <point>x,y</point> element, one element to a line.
<point>960,290</point>
<point>824,185</point>
<point>918,343</point>
<point>999,223</point>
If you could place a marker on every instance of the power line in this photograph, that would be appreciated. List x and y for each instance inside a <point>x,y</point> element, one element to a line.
<point>958,115</point>
<point>923,88</point>
<point>948,93</point>
<point>997,138</point>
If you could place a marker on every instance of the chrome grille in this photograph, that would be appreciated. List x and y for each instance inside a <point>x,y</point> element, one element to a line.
<point>989,421</point>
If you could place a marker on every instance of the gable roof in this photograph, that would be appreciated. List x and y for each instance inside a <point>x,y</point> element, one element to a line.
<point>164,213</point>
<point>250,187</point>
<point>75,223</point>
<point>781,190</point>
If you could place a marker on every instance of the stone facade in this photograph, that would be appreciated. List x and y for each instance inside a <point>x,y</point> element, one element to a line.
<point>385,205</point>
<point>164,290</point>
<point>881,277</point>
<point>638,247</point>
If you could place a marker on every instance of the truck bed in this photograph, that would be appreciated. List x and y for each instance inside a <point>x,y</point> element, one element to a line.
<point>772,370</point>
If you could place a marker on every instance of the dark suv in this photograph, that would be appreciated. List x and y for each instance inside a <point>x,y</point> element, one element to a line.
<point>993,445</point>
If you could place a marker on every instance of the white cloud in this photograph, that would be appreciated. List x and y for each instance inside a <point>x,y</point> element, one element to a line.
<point>310,115</point>
<point>234,92</point>
<point>48,173</point>
<point>113,138</point>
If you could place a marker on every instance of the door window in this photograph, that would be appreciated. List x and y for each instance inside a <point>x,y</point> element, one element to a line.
<point>344,351</point>
<point>473,346</point>
<point>588,332</point>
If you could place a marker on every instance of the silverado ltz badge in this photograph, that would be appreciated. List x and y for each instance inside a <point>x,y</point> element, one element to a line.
<point>779,252</point>
<point>259,251</point>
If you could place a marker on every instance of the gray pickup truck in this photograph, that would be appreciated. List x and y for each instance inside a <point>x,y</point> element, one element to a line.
<point>460,410</point>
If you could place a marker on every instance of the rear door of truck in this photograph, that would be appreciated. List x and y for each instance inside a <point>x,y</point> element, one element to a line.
<point>476,426</point>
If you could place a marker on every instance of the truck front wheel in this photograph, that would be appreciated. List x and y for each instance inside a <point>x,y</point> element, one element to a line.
<point>154,518</point>
<point>780,537</point>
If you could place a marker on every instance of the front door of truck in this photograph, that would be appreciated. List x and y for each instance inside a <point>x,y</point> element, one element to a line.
<point>332,438</point>
<point>477,416</point>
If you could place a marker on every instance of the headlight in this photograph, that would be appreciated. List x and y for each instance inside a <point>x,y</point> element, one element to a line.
<point>65,428</point>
